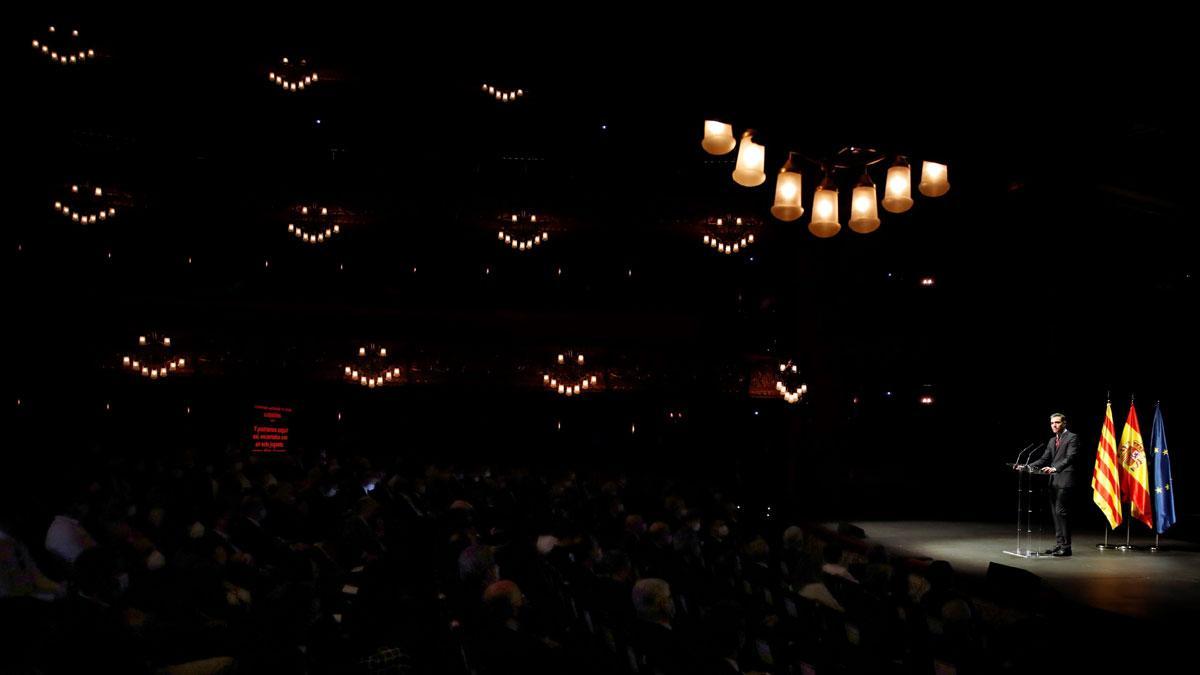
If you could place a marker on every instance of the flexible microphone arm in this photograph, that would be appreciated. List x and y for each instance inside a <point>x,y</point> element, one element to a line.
<point>1029,447</point>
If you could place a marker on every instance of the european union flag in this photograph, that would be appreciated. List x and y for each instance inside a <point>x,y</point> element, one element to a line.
<point>1164,500</point>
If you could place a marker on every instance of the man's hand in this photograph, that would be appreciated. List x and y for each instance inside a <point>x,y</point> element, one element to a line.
<point>1048,469</point>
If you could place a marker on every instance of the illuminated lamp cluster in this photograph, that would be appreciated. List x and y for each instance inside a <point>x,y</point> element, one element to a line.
<point>789,385</point>
<point>63,54</point>
<point>153,359</point>
<point>86,205</point>
<point>372,370</point>
<point>314,225</point>
<point>293,76</point>
<point>569,377</point>
<point>501,95</point>
<point>522,232</point>
<point>729,234</point>
<point>750,171</point>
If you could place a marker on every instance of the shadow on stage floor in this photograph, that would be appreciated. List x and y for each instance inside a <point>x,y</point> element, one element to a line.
<point>1103,606</point>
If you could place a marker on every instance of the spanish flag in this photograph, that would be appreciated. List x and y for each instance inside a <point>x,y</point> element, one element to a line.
<point>1134,481</point>
<point>1106,490</point>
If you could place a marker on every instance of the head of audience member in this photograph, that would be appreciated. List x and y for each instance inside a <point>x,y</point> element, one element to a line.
<point>652,601</point>
<point>477,567</point>
<point>940,574</point>
<point>461,513</point>
<point>757,549</point>
<point>635,525</point>
<point>660,534</point>
<point>367,508</point>
<point>718,530</point>
<point>675,505</point>
<point>793,538</point>
<point>504,601</point>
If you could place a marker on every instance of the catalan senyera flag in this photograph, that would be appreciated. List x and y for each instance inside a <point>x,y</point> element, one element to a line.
<point>1164,490</point>
<point>1135,485</point>
<point>1106,482</point>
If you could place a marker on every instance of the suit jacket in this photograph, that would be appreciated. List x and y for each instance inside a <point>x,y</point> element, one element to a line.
<point>1061,458</point>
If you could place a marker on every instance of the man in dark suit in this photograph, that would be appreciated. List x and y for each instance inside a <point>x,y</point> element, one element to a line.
<point>1058,460</point>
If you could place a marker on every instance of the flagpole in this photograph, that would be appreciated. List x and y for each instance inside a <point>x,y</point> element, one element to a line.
<point>1107,546</point>
<point>1154,548</point>
<point>1126,546</point>
<point>1128,520</point>
<point>1162,478</point>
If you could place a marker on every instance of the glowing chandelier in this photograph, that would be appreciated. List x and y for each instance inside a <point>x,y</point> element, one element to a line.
<point>569,376</point>
<point>749,171</point>
<point>315,224</point>
<point>86,205</point>
<point>153,359</point>
<point>372,369</point>
<point>523,231</point>
<point>293,76</point>
<point>789,384</point>
<point>729,234</point>
<point>63,53</point>
<point>504,96</point>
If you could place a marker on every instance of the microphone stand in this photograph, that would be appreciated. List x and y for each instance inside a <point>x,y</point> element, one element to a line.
<point>1027,553</point>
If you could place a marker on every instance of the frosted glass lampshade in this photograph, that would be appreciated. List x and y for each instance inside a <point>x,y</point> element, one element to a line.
<point>787,196</point>
<point>718,138</point>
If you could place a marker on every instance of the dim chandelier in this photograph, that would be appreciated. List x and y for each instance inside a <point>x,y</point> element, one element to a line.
<point>372,369</point>
<point>522,231</point>
<point>569,377</point>
<point>504,96</point>
<point>729,234</point>
<point>314,224</point>
<point>86,205</point>
<point>153,359</point>
<point>749,171</point>
<point>63,47</point>
<point>789,384</point>
<point>293,75</point>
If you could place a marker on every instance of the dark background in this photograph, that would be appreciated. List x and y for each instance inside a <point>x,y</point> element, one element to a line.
<point>1063,255</point>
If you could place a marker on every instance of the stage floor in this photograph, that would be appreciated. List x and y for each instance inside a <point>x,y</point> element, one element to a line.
<point>1135,584</point>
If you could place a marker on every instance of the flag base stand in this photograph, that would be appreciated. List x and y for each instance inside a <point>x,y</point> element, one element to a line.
<point>1111,547</point>
<point>1127,546</point>
<point>1026,554</point>
<point>1130,547</point>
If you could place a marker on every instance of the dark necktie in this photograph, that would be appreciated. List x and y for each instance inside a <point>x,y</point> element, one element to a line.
<point>1056,442</point>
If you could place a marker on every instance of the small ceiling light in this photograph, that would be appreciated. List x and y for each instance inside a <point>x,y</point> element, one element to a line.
<point>787,205</point>
<point>718,138</point>
<point>935,180</point>
<point>750,161</point>
<point>897,193</point>
<point>864,215</point>
<point>824,222</point>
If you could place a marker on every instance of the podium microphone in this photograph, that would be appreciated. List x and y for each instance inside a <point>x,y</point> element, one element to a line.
<point>1029,447</point>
